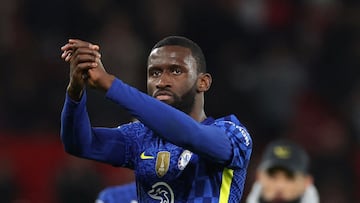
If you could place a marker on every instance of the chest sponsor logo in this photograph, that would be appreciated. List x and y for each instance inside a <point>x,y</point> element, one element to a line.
<point>162,163</point>
<point>184,159</point>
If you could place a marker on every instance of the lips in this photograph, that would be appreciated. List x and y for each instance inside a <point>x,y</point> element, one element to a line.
<point>163,95</point>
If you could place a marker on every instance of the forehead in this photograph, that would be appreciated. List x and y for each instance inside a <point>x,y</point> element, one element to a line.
<point>171,55</point>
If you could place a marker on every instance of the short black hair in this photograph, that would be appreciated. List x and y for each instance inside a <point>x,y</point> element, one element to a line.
<point>187,43</point>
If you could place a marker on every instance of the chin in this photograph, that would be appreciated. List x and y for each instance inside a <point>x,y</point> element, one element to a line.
<point>167,102</point>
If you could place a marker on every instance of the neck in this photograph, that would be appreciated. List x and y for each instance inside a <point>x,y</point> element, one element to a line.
<point>198,116</point>
<point>197,112</point>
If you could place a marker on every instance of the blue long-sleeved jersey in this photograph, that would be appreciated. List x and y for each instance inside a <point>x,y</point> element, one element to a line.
<point>175,158</point>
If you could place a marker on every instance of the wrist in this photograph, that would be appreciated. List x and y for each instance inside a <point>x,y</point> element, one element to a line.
<point>108,82</point>
<point>74,93</point>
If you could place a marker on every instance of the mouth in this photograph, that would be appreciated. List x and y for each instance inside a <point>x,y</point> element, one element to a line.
<point>163,95</point>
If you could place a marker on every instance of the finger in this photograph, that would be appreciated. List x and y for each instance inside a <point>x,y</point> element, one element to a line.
<point>71,40</point>
<point>68,56</point>
<point>84,47</point>
<point>79,43</point>
<point>66,53</point>
<point>86,51</point>
<point>81,58</point>
<point>67,46</point>
<point>86,66</point>
<point>95,47</point>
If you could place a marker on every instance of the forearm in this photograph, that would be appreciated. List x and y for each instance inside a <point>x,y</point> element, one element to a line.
<point>172,124</point>
<point>82,140</point>
<point>75,126</point>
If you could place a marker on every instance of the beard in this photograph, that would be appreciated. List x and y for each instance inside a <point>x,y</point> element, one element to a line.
<point>185,103</point>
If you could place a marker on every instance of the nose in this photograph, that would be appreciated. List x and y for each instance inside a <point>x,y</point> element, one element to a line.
<point>163,81</point>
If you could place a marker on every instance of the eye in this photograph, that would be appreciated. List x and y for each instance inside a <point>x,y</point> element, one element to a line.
<point>176,70</point>
<point>155,73</point>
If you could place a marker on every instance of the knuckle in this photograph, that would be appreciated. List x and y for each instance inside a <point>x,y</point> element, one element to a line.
<point>78,57</point>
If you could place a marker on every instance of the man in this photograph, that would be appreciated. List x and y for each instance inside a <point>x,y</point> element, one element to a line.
<point>118,194</point>
<point>178,154</point>
<point>283,176</point>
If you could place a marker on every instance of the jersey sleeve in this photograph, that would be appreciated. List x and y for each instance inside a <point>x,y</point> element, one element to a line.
<point>241,141</point>
<point>108,145</point>
<point>173,125</point>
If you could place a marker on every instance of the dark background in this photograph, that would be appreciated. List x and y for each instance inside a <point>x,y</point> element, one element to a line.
<point>286,68</point>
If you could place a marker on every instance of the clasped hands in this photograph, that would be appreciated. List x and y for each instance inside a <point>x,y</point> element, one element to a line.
<point>86,68</point>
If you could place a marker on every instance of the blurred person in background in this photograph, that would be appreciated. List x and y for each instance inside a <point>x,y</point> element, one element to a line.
<point>283,176</point>
<point>125,193</point>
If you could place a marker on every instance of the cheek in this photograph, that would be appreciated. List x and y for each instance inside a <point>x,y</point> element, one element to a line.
<point>297,187</point>
<point>289,189</point>
<point>188,88</point>
<point>275,186</point>
<point>150,87</point>
<point>268,188</point>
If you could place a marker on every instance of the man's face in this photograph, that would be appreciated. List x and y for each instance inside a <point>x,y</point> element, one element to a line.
<point>282,186</point>
<point>172,76</point>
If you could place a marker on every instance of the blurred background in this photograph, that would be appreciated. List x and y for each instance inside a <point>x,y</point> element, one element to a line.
<point>286,68</point>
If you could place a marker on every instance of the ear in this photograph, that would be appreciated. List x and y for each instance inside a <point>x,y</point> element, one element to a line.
<point>204,82</point>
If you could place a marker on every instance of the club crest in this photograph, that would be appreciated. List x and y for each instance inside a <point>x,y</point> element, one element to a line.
<point>184,159</point>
